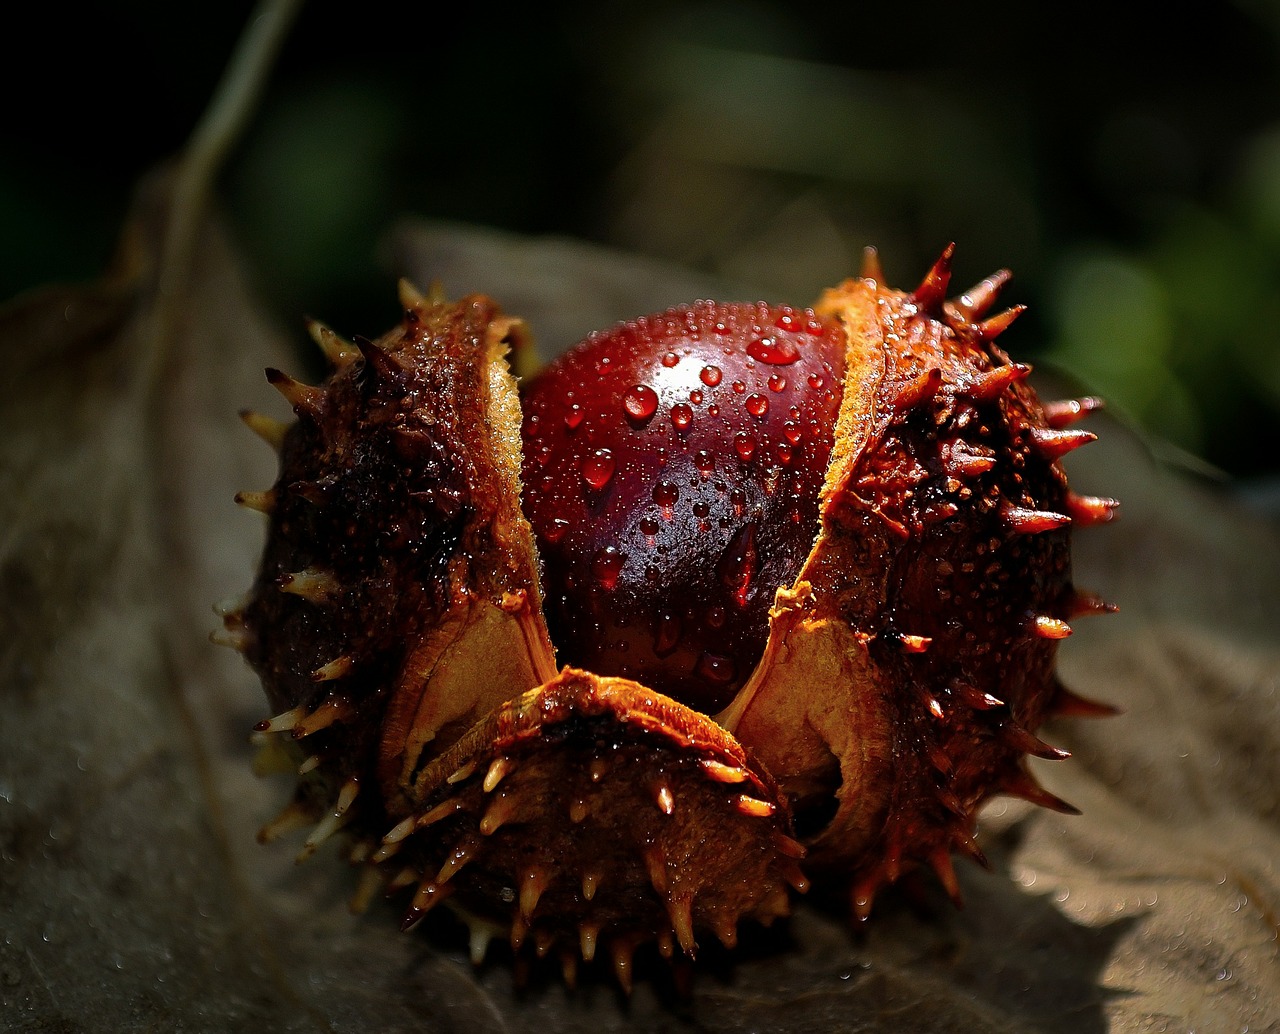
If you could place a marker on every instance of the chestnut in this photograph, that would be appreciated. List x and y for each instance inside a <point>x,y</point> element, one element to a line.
<point>808,571</point>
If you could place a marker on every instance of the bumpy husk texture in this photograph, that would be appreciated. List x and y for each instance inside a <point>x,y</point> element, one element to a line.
<point>136,897</point>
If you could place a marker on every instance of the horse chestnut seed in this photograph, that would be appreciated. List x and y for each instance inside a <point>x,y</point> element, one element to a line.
<point>672,466</point>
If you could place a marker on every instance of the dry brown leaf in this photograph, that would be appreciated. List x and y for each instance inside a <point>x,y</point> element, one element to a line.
<point>134,893</point>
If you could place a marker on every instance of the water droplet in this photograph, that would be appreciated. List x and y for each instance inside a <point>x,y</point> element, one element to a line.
<point>785,453</point>
<point>714,668</point>
<point>777,382</point>
<point>816,381</point>
<point>716,616</point>
<point>705,461</point>
<point>774,351</point>
<point>640,402</point>
<point>711,376</point>
<point>744,445</point>
<point>792,431</point>
<point>739,387</point>
<point>532,425</point>
<point>713,410</point>
<point>681,416</point>
<point>738,564</point>
<point>701,510</point>
<point>597,469</point>
<point>667,636</point>
<point>695,397</point>
<point>670,359</point>
<point>602,365</point>
<point>555,531</point>
<point>649,525</point>
<point>574,417</point>
<point>665,493</point>
<point>757,405</point>
<point>607,566</point>
<point>739,500</point>
<point>787,320</point>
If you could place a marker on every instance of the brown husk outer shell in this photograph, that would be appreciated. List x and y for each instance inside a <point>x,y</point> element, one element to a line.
<point>397,601</point>
<point>596,804</point>
<point>903,672</point>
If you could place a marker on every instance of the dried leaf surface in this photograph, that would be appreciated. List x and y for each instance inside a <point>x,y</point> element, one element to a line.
<point>135,896</point>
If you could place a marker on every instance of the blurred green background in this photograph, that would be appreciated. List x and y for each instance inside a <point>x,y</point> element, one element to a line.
<point>1125,165</point>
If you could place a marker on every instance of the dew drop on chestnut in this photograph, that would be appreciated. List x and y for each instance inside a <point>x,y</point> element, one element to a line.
<point>774,351</point>
<point>597,469</point>
<point>681,416</point>
<point>607,566</point>
<point>757,405</point>
<point>640,402</point>
<point>665,493</point>
<point>667,637</point>
<point>738,564</point>
<point>711,376</point>
<point>714,668</point>
<point>744,444</point>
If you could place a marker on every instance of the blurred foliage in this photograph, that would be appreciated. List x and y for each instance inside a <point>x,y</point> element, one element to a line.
<point>1133,185</point>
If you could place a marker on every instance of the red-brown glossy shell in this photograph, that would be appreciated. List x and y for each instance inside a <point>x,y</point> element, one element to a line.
<point>396,623</point>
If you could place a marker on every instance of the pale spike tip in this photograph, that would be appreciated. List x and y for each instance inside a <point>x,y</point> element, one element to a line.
<point>871,268</point>
<point>337,351</point>
<point>269,429</point>
<point>410,296</point>
<point>302,397</point>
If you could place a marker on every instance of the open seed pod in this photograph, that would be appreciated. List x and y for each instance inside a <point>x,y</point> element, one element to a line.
<point>817,663</point>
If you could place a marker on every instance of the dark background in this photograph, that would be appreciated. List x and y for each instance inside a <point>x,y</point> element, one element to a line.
<point>1125,165</point>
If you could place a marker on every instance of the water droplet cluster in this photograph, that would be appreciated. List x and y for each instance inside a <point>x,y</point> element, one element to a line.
<point>671,474</point>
